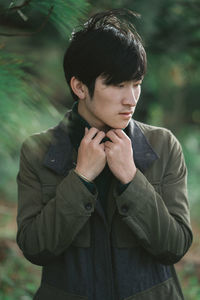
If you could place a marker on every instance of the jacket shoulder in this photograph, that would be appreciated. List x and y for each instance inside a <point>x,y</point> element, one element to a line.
<point>36,145</point>
<point>159,137</point>
<point>150,129</point>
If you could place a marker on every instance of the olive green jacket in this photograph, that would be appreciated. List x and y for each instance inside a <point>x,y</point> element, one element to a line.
<point>126,255</point>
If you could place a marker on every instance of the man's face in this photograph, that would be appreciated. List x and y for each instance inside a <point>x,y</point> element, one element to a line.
<point>111,106</point>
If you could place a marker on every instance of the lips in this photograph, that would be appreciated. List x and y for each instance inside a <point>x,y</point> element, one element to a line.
<point>126,113</point>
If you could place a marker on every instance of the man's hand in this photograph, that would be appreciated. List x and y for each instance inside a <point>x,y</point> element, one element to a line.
<point>91,158</point>
<point>119,155</point>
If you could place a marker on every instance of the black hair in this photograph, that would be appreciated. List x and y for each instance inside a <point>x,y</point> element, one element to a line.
<point>107,45</point>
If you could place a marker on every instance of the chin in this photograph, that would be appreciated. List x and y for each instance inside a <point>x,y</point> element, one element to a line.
<point>123,125</point>
<point>120,126</point>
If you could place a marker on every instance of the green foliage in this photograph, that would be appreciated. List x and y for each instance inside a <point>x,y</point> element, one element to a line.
<point>65,14</point>
<point>23,110</point>
<point>22,104</point>
<point>192,292</point>
<point>190,140</point>
<point>190,282</point>
<point>18,278</point>
<point>25,105</point>
<point>15,92</point>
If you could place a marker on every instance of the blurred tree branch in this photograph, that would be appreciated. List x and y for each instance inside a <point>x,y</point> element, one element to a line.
<point>39,29</point>
<point>19,6</point>
<point>15,8</point>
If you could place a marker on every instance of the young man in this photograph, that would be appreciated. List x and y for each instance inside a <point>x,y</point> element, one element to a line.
<point>102,198</point>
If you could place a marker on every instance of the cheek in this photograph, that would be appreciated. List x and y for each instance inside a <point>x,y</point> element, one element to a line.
<point>105,105</point>
<point>138,92</point>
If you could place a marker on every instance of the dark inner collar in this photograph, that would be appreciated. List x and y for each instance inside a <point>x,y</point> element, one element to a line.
<point>76,126</point>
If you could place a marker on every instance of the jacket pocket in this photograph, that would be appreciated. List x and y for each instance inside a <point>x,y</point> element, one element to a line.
<point>165,291</point>
<point>122,235</point>
<point>47,292</point>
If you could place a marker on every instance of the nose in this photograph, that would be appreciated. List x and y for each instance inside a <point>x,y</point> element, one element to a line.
<point>131,96</point>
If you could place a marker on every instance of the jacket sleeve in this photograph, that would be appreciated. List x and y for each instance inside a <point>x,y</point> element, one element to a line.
<point>160,221</point>
<point>45,231</point>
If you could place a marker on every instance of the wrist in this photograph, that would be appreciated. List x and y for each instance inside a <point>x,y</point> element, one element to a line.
<point>128,177</point>
<point>83,176</point>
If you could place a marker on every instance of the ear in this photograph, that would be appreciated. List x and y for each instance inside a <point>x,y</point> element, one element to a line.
<point>79,88</point>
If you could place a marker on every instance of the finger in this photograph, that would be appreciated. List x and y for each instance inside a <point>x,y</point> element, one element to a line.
<point>112,136</point>
<point>108,152</point>
<point>108,144</point>
<point>98,138</point>
<point>86,130</point>
<point>91,133</point>
<point>102,146</point>
<point>120,133</point>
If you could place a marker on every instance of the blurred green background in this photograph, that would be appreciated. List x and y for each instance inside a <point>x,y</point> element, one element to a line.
<point>34,96</point>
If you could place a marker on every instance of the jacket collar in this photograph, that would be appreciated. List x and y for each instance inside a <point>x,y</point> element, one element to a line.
<point>59,156</point>
<point>143,153</point>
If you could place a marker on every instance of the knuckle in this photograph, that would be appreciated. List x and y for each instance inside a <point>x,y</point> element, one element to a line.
<point>93,145</point>
<point>93,129</point>
<point>84,142</point>
<point>128,140</point>
<point>100,134</point>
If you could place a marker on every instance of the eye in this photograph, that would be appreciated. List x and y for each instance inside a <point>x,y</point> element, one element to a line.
<point>137,84</point>
<point>120,85</point>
